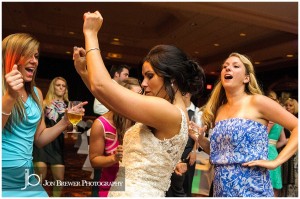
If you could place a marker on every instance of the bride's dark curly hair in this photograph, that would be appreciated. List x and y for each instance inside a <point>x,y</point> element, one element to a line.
<point>175,67</point>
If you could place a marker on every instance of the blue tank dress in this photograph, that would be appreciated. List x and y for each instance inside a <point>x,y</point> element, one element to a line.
<point>233,142</point>
<point>18,178</point>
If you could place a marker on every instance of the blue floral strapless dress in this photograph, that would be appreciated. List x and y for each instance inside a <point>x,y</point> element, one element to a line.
<point>233,142</point>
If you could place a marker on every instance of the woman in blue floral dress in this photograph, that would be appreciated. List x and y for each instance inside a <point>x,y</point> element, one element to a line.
<point>239,114</point>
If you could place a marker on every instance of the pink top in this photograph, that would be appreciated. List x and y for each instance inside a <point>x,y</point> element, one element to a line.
<point>108,174</point>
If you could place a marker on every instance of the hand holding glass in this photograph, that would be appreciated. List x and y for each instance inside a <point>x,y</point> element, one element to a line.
<point>195,129</point>
<point>75,113</point>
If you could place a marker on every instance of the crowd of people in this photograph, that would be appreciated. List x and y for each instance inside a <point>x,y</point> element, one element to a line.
<point>152,146</point>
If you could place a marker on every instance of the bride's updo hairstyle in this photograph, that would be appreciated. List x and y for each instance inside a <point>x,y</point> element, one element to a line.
<point>177,69</point>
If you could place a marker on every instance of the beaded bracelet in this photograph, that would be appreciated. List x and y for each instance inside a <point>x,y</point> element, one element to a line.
<point>7,114</point>
<point>91,50</point>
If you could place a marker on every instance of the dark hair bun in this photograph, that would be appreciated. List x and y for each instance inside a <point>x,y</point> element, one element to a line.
<point>174,66</point>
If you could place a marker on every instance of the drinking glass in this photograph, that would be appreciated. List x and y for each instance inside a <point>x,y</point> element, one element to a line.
<point>195,129</point>
<point>74,113</point>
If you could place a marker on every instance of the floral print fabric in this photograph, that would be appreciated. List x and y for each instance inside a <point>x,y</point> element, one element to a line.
<point>55,109</point>
<point>233,142</point>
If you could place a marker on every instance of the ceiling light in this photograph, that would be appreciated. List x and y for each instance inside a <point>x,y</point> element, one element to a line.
<point>257,62</point>
<point>24,26</point>
<point>289,55</point>
<point>68,52</point>
<point>114,55</point>
<point>242,34</point>
<point>196,52</point>
<point>72,33</point>
<point>116,41</point>
<point>216,44</point>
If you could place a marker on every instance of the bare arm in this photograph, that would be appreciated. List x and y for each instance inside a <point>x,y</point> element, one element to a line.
<point>272,111</point>
<point>203,142</point>
<point>163,114</point>
<point>14,82</point>
<point>97,145</point>
<point>282,140</point>
<point>45,135</point>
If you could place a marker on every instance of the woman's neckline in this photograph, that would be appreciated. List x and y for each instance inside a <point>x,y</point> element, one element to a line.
<point>238,118</point>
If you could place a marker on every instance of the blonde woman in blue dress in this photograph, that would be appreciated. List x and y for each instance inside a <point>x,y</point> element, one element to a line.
<point>239,115</point>
<point>22,116</point>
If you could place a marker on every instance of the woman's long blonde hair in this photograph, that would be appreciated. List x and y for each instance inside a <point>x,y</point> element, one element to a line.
<point>50,96</point>
<point>218,95</point>
<point>16,49</point>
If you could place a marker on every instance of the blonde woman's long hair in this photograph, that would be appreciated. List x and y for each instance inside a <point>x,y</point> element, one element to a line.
<point>50,96</point>
<point>218,95</point>
<point>16,49</point>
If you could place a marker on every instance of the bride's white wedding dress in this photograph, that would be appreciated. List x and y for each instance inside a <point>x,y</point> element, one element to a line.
<point>148,162</point>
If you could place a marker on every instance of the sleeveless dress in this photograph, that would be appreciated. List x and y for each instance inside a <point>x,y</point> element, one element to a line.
<point>52,153</point>
<point>148,162</point>
<point>18,179</point>
<point>108,174</point>
<point>233,142</point>
<point>275,174</point>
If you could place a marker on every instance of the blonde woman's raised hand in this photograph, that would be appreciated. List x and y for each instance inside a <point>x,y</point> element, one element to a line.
<point>92,22</point>
<point>200,131</point>
<point>14,81</point>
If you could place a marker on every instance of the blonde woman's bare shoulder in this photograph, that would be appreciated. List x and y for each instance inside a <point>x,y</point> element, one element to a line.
<point>263,103</point>
<point>258,99</point>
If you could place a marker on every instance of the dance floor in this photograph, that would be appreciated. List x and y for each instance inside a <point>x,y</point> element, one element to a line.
<point>73,172</point>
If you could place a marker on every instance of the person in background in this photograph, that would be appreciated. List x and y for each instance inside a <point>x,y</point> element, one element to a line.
<point>239,115</point>
<point>290,168</point>
<point>106,141</point>
<point>283,97</point>
<point>181,185</point>
<point>54,105</point>
<point>118,73</point>
<point>22,120</point>
<point>153,146</point>
<point>277,139</point>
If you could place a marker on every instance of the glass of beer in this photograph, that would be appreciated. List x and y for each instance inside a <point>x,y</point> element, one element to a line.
<point>75,113</point>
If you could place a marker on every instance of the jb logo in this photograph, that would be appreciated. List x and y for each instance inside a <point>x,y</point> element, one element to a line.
<point>27,179</point>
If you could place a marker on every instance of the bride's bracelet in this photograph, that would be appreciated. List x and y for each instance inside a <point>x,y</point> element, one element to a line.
<point>91,50</point>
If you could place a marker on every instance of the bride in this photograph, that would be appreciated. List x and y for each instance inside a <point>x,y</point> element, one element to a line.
<point>153,146</point>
